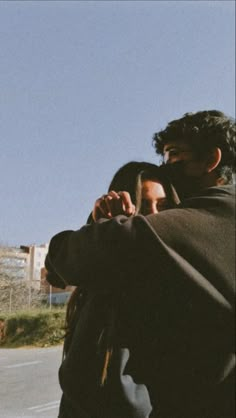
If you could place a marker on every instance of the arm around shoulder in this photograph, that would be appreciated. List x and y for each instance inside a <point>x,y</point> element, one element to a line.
<point>96,252</point>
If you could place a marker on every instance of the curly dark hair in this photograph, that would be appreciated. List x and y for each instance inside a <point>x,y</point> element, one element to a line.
<point>203,131</point>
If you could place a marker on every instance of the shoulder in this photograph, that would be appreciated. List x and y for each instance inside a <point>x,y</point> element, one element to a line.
<point>215,205</point>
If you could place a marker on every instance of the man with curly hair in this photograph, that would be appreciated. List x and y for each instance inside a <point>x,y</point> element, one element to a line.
<point>173,353</point>
<point>200,135</point>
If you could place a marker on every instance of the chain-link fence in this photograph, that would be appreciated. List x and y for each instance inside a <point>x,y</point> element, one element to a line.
<point>18,294</point>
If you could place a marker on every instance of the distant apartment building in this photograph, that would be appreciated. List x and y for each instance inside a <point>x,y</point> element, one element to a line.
<point>24,262</point>
<point>13,263</point>
<point>35,262</point>
<point>27,263</point>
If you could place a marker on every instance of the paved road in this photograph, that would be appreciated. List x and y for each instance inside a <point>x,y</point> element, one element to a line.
<point>29,382</point>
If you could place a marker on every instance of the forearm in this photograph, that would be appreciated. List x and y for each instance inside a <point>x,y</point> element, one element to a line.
<point>94,252</point>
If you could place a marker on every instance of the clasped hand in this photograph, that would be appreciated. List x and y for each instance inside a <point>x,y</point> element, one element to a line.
<point>113,204</point>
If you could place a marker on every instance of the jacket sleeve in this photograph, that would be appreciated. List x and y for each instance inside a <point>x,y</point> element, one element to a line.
<point>52,276</point>
<point>94,252</point>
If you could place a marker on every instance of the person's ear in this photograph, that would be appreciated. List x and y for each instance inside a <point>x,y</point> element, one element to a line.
<point>213,159</point>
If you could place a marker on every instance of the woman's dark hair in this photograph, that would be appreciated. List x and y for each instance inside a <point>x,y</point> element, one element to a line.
<point>125,179</point>
<point>130,176</point>
<point>156,174</point>
<point>74,305</point>
<point>203,131</point>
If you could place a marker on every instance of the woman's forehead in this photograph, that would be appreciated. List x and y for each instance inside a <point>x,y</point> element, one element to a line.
<point>152,188</point>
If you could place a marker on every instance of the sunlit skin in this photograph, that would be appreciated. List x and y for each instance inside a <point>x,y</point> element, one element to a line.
<point>153,197</point>
<point>180,151</point>
<point>202,168</point>
<point>177,151</point>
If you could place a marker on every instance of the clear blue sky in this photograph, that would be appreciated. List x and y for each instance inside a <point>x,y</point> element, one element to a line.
<point>83,87</point>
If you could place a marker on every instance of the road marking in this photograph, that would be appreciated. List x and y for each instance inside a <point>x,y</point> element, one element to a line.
<point>29,363</point>
<point>49,350</point>
<point>44,407</point>
<point>47,409</point>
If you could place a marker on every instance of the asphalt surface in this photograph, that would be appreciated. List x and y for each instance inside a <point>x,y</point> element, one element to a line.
<point>29,385</point>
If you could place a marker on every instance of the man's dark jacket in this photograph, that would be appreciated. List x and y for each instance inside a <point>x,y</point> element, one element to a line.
<point>173,275</point>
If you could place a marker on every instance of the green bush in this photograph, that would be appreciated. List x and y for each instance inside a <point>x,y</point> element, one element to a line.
<point>36,327</point>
